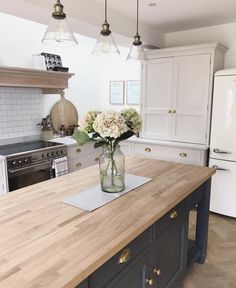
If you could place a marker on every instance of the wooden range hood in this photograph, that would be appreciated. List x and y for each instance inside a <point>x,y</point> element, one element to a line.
<point>50,82</point>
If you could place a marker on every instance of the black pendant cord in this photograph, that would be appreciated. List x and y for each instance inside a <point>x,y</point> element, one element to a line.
<point>105,11</point>
<point>137,16</point>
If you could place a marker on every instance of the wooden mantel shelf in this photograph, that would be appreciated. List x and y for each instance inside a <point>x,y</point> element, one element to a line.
<point>50,82</point>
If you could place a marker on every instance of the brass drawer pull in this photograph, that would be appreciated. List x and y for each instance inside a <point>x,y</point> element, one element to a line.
<point>173,214</point>
<point>125,256</point>
<point>174,111</point>
<point>149,281</point>
<point>78,150</point>
<point>147,150</point>
<point>78,165</point>
<point>183,155</point>
<point>96,159</point>
<point>157,271</point>
<point>169,111</point>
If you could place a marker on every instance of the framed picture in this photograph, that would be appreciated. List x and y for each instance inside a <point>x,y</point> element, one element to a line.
<point>117,92</point>
<point>133,92</point>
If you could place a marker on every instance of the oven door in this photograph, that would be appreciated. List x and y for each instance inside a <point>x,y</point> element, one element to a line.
<point>26,176</point>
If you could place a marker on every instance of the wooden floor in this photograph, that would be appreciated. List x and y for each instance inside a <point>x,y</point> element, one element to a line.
<point>219,270</point>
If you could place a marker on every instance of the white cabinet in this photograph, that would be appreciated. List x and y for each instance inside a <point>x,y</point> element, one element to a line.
<point>182,153</point>
<point>157,100</point>
<point>177,92</point>
<point>80,157</point>
<point>3,177</point>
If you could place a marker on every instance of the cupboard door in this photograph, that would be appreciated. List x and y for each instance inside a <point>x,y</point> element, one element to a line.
<point>135,276</point>
<point>170,255</point>
<point>157,95</point>
<point>191,97</point>
<point>3,177</point>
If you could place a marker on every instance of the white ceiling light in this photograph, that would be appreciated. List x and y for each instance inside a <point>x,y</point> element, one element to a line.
<point>137,52</point>
<point>59,31</point>
<point>105,45</point>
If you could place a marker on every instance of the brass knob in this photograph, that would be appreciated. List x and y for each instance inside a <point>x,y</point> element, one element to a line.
<point>169,111</point>
<point>173,214</point>
<point>150,281</point>
<point>147,150</point>
<point>157,271</point>
<point>174,111</point>
<point>96,159</point>
<point>78,150</point>
<point>78,165</point>
<point>125,256</point>
<point>183,155</point>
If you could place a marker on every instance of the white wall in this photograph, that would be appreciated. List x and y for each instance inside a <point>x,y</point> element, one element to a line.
<point>225,34</point>
<point>22,39</point>
<point>89,88</point>
<point>117,70</point>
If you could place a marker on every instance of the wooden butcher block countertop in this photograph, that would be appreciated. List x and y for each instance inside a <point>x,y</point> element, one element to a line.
<point>45,243</point>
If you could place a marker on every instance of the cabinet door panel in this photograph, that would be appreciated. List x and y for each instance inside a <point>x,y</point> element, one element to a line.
<point>3,177</point>
<point>192,80</point>
<point>170,254</point>
<point>157,95</point>
<point>133,276</point>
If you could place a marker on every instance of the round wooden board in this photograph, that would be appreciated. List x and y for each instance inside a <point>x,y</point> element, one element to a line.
<point>63,112</point>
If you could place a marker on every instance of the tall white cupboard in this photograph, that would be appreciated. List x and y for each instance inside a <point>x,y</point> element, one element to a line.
<point>176,100</point>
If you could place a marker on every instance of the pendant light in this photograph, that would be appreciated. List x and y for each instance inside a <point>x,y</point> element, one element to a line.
<point>137,52</point>
<point>59,32</point>
<point>105,45</point>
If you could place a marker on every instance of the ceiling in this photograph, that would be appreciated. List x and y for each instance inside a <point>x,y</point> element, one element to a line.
<point>175,15</point>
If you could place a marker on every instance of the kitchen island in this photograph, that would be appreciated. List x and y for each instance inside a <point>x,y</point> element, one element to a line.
<point>138,240</point>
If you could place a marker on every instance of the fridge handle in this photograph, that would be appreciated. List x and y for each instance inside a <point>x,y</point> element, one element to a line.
<point>216,150</point>
<point>219,168</point>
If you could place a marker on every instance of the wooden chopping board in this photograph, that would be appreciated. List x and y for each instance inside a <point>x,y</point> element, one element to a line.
<point>63,112</point>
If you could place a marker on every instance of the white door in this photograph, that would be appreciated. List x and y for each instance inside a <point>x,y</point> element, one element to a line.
<point>191,97</point>
<point>223,189</point>
<point>223,131</point>
<point>157,97</point>
<point>3,177</point>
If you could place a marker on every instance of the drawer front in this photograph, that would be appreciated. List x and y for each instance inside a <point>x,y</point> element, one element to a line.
<point>76,151</point>
<point>183,155</point>
<point>83,162</point>
<point>121,261</point>
<point>170,218</point>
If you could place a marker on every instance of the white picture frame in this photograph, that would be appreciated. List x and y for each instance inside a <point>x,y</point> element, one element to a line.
<point>117,92</point>
<point>133,92</point>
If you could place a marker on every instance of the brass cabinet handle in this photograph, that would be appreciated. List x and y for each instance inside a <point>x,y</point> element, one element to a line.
<point>169,111</point>
<point>183,155</point>
<point>78,165</point>
<point>147,150</point>
<point>96,159</point>
<point>174,111</point>
<point>150,281</point>
<point>157,271</point>
<point>125,256</point>
<point>173,214</point>
<point>78,150</point>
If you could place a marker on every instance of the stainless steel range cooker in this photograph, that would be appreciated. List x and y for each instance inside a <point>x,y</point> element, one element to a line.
<point>31,162</point>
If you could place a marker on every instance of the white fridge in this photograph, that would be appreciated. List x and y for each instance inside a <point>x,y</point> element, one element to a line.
<point>223,144</point>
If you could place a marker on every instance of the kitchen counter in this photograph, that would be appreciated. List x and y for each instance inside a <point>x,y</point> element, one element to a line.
<point>45,243</point>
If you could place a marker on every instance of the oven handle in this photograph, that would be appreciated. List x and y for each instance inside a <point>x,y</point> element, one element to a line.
<point>39,165</point>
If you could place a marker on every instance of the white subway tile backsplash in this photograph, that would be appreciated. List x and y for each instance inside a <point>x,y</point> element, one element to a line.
<point>20,112</point>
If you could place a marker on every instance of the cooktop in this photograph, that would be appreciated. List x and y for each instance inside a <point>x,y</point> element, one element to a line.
<point>22,147</point>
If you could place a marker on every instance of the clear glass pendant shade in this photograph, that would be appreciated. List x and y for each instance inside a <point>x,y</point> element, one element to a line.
<point>59,33</point>
<point>136,53</point>
<point>106,46</point>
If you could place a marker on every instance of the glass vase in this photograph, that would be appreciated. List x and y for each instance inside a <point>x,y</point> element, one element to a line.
<point>112,169</point>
